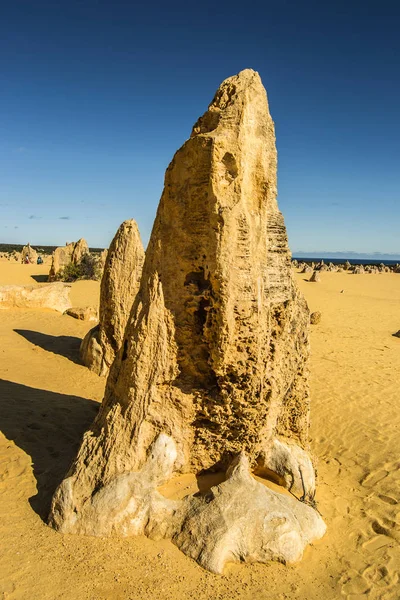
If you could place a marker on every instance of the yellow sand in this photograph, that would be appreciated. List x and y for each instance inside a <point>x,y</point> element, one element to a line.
<point>47,400</point>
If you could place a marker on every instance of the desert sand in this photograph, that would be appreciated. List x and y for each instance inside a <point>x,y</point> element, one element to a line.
<point>47,400</point>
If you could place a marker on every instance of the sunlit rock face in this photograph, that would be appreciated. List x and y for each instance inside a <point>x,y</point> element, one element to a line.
<point>65,255</point>
<point>118,289</point>
<point>214,356</point>
<point>54,296</point>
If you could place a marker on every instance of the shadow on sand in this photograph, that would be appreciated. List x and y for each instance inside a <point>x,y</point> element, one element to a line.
<point>40,278</point>
<point>47,426</point>
<point>64,345</point>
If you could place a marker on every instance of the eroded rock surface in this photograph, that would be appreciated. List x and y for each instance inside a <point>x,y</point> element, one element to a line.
<point>315,318</point>
<point>52,295</point>
<point>214,356</point>
<point>119,286</point>
<point>239,520</point>
<point>83,313</point>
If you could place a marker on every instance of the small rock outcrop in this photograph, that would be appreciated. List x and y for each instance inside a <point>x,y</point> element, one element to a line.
<point>119,286</point>
<point>315,317</point>
<point>307,269</point>
<point>397,334</point>
<point>65,255</point>
<point>54,296</point>
<point>83,313</point>
<point>315,278</point>
<point>212,373</point>
<point>358,270</point>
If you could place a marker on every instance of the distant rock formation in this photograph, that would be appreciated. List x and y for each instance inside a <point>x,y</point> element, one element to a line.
<point>65,255</point>
<point>212,373</point>
<point>315,278</point>
<point>119,286</point>
<point>358,270</point>
<point>306,269</point>
<point>28,252</point>
<point>321,266</point>
<point>346,266</point>
<point>54,296</point>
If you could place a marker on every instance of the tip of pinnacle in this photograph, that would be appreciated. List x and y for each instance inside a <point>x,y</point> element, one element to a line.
<point>232,91</point>
<point>244,78</point>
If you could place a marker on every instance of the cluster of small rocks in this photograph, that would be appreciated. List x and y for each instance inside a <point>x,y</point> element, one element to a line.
<point>13,256</point>
<point>321,266</point>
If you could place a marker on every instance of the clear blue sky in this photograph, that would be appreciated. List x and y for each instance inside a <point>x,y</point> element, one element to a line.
<point>97,96</point>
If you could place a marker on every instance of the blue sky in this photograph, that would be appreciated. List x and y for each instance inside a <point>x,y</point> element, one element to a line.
<point>96,97</point>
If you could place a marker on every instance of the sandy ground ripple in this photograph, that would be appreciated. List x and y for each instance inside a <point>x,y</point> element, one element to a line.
<point>47,399</point>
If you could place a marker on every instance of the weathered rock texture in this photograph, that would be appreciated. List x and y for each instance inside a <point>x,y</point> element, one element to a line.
<point>83,313</point>
<point>63,256</point>
<point>119,286</point>
<point>315,318</point>
<point>214,358</point>
<point>238,520</point>
<point>53,295</point>
<point>103,259</point>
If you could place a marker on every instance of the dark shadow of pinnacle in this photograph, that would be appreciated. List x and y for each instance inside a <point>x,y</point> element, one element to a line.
<point>64,345</point>
<point>47,426</point>
<point>40,278</point>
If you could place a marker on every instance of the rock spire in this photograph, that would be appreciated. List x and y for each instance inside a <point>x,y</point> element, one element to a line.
<point>119,286</point>
<point>212,372</point>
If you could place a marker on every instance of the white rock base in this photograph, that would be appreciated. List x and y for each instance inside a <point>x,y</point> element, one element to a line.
<point>237,520</point>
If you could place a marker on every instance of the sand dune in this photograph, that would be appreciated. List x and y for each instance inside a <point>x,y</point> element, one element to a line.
<point>47,399</point>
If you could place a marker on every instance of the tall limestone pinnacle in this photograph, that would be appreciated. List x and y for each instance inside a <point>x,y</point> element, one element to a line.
<point>212,373</point>
<point>118,289</point>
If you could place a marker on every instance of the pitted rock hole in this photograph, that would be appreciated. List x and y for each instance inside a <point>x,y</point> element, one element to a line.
<point>224,96</point>
<point>230,166</point>
<point>197,279</point>
<point>207,123</point>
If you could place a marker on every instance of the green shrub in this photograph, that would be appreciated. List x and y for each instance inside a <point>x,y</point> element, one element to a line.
<point>89,267</point>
